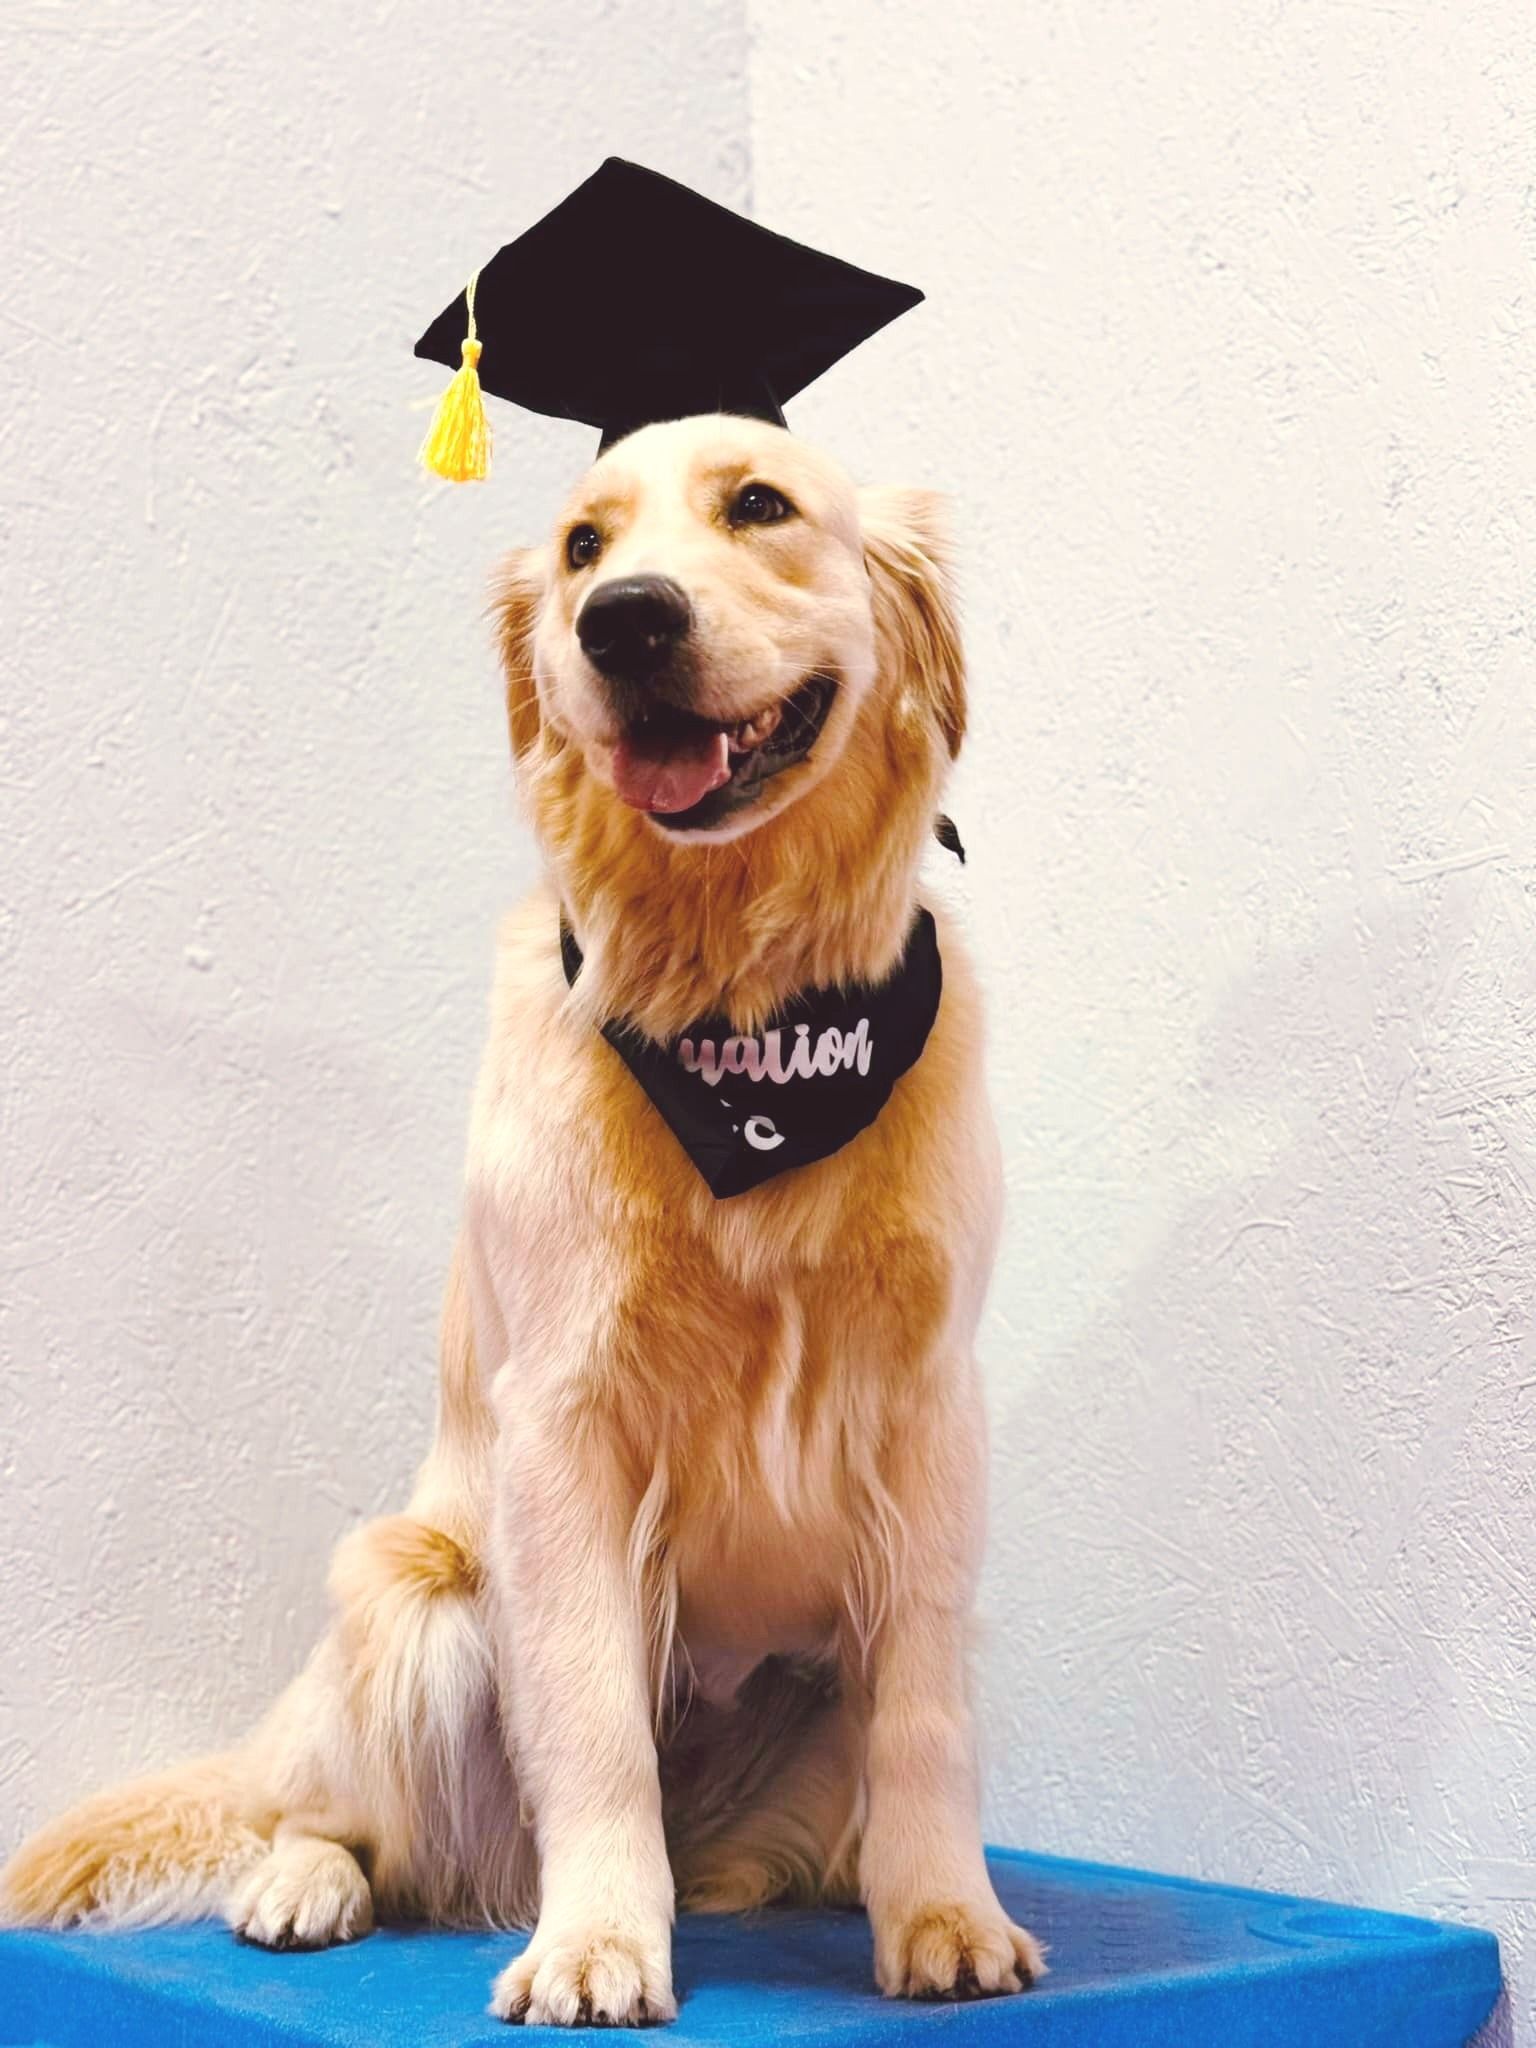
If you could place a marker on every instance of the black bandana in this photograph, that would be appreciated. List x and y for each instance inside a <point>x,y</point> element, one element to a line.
<point>745,1109</point>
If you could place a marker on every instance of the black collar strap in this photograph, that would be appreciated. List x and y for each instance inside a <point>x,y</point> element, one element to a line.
<point>747,1108</point>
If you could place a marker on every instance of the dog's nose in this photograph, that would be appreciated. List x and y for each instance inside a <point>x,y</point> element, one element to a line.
<point>631,624</point>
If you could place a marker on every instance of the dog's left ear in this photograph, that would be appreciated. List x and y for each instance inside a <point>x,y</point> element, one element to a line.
<point>515,595</point>
<point>906,550</point>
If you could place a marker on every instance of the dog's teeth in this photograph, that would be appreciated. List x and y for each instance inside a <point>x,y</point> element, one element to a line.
<point>753,731</point>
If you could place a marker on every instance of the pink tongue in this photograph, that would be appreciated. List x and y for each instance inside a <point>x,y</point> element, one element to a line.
<point>666,772</point>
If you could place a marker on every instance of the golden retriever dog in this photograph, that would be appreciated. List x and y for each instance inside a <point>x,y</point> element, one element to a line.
<point>677,1613</point>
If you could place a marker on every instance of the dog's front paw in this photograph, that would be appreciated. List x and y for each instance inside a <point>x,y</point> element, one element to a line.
<point>944,1950</point>
<point>595,1976</point>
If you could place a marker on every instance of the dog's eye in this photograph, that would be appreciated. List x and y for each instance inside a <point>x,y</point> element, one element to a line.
<point>759,505</point>
<point>583,544</point>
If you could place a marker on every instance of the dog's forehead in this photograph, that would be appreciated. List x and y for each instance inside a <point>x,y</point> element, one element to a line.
<point>672,459</point>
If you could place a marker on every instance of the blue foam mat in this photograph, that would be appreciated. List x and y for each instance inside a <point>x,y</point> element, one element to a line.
<point>1136,1962</point>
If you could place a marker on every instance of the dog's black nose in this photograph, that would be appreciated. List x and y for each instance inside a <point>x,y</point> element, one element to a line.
<point>630,625</point>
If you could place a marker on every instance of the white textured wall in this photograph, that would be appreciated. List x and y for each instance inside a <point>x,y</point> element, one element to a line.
<point>255,818</point>
<point>1229,363</point>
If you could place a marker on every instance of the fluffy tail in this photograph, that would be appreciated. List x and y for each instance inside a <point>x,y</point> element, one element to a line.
<point>162,1848</point>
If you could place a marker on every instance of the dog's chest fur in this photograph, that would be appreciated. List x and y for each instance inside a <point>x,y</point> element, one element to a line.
<point>751,1362</point>
<point>761,1461</point>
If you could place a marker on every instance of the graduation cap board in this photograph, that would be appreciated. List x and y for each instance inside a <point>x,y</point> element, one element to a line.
<point>1136,1962</point>
<point>638,300</point>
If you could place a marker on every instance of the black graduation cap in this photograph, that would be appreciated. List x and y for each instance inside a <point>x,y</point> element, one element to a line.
<point>636,300</point>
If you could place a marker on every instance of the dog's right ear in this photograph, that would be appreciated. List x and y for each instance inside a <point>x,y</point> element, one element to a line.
<point>515,596</point>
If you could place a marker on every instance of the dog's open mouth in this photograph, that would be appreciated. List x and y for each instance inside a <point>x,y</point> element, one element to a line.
<point>691,773</point>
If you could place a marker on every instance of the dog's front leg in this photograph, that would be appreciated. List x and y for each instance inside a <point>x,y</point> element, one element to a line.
<point>939,1929</point>
<point>576,1697</point>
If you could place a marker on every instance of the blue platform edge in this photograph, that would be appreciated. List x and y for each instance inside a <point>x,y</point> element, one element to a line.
<point>1136,1961</point>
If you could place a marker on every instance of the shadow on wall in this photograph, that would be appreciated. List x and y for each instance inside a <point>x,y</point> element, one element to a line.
<point>1264,1534</point>
<point>1500,2029</point>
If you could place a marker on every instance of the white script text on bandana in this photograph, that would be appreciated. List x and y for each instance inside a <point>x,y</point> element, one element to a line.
<point>765,1061</point>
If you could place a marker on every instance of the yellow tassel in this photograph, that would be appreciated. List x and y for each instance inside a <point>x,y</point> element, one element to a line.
<point>458,443</point>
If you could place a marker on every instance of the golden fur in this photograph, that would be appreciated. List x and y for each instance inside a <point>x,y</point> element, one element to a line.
<point>678,1607</point>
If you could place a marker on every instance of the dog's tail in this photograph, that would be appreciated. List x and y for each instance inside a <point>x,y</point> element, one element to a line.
<point>163,1848</point>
